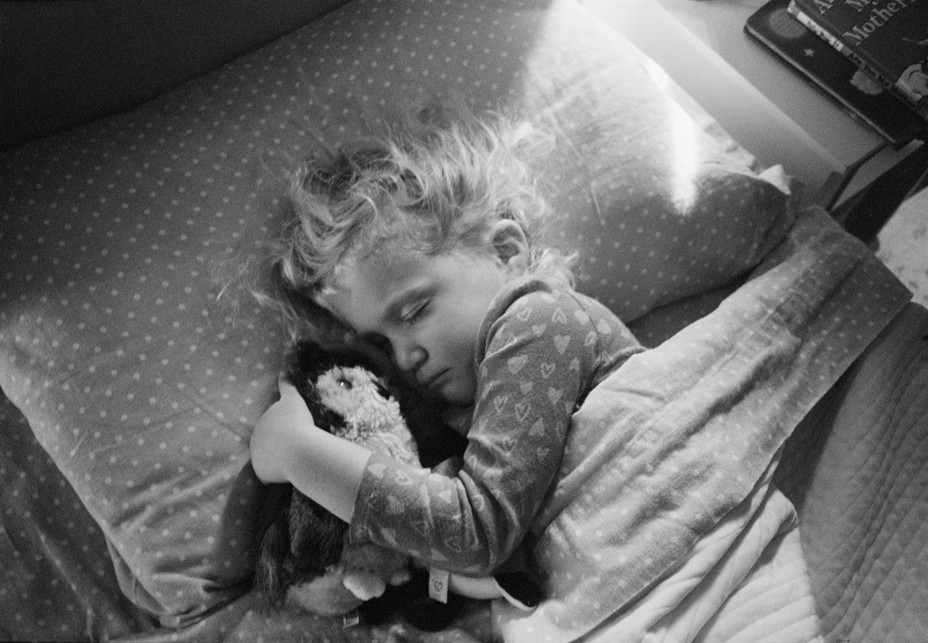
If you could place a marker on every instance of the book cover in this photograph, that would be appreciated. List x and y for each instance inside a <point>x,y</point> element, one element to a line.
<point>861,96</point>
<point>888,83</point>
<point>886,38</point>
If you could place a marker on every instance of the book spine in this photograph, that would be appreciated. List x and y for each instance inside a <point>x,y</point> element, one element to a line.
<point>862,64</point>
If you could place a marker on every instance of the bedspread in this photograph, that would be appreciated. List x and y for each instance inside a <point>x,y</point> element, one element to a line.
<point>667,485</point>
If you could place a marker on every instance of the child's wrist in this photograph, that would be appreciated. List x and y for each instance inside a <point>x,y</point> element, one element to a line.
<point>275,451</point>
<point>326,468</point>
<point>265,463</point>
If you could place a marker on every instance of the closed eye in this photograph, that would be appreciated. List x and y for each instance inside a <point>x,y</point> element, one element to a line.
<point>412,312</point>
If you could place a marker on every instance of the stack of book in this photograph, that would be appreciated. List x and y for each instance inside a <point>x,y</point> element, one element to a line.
<point>870,55</point>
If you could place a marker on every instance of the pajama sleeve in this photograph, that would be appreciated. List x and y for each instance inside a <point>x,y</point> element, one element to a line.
<point>538,354</point>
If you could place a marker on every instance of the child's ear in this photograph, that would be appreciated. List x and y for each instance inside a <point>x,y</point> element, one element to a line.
<point>511,246</point>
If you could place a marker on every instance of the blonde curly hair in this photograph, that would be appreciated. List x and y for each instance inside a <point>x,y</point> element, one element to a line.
<point>435,185</point>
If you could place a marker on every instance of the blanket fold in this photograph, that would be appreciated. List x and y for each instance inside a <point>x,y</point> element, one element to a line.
<point>664,451</point>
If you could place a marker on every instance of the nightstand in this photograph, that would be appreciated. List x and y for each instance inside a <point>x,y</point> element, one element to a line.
<point>765,106</point>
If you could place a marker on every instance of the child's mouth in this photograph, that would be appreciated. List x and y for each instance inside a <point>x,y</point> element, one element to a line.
<point>434,382</point>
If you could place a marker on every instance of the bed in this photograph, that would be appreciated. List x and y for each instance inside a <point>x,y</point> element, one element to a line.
<point>790,354</point>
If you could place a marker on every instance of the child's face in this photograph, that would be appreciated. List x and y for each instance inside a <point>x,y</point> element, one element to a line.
<point>429,309</point>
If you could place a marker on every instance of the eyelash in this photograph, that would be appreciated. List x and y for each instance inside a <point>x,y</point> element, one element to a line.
<point>410,315</point>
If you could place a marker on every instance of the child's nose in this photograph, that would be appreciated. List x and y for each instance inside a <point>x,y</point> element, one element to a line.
<point>409,357</point>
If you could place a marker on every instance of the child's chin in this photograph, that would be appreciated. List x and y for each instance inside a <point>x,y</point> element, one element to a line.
<point>456,393</point>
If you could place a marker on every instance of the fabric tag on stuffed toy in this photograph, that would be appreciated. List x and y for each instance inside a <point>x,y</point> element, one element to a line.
<point>351,619</point>
<point>438,585</point>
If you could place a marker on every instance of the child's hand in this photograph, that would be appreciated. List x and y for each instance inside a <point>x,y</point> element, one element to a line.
<point>287,446</point>
<point>277,429</point>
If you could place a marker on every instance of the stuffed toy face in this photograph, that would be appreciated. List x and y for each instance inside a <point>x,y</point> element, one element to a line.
<point>304,555</point>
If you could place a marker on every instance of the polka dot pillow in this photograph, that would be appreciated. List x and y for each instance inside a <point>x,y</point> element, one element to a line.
<point>143,388</point>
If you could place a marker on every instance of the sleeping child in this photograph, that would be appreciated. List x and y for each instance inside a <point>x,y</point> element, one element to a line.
<point>429,243</point>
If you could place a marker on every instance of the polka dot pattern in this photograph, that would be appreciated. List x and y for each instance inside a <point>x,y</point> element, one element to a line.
<point>43,528</point>
<point>142,386</point>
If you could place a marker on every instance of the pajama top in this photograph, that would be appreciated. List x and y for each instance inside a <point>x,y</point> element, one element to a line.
<point>540,349</point>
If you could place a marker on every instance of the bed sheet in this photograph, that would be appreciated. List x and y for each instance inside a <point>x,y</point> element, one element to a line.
<point>57,581</point>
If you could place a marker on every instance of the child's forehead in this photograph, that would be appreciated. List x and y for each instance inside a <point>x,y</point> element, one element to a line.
<point>377,261</point>
<point>378,271</point>
<point>377,275</point>
<point>366,278</point>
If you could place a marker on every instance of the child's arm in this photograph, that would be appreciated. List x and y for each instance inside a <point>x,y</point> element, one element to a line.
<point>286,446</point>
<point>538,353</point>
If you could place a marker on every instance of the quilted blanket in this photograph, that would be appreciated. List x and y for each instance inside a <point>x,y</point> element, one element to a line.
<point>857,471</point>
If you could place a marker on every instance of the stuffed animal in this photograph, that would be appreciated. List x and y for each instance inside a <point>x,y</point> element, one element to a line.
<point>305,558</point>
